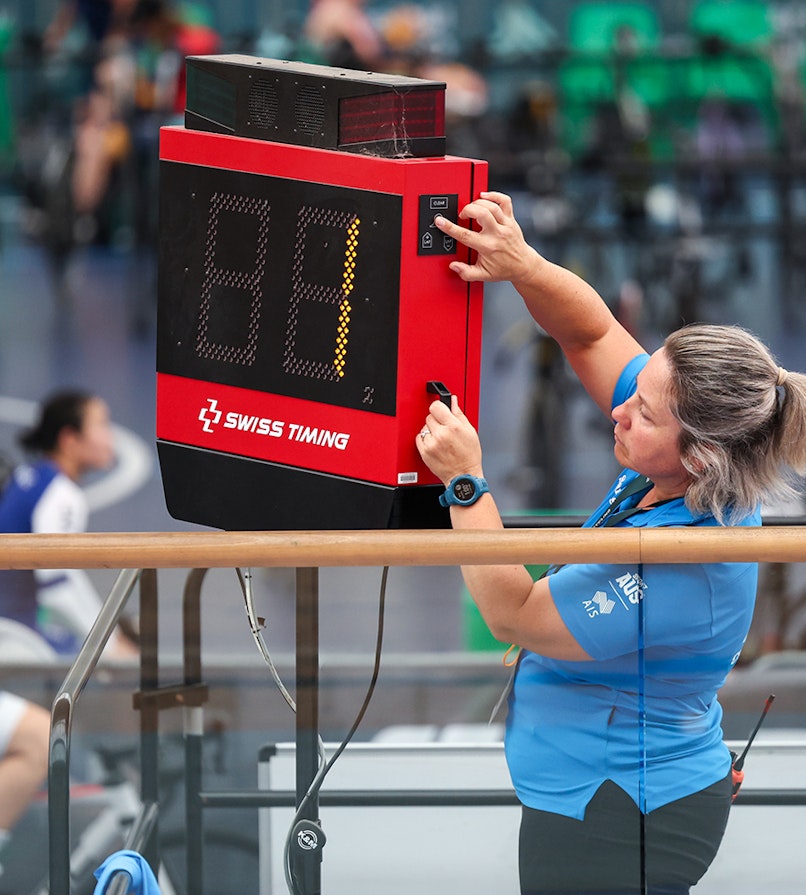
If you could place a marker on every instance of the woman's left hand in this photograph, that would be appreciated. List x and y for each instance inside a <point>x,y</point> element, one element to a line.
<point>448,442</point>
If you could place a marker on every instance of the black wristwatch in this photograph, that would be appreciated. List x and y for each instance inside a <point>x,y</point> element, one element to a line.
<point>463,491</point>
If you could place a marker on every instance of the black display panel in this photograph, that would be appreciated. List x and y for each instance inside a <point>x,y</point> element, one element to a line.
<point>280,286</point>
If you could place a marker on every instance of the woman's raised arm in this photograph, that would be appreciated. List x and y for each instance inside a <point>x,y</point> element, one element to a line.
<point>569,310</point>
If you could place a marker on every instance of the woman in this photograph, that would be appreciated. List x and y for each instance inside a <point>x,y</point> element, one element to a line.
<point>72,438</point>
<point>613,733</point>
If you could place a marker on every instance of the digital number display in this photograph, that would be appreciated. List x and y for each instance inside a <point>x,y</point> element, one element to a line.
<point>279,285</point>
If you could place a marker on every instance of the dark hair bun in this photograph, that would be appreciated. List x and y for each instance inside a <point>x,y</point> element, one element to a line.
<point>62,410</point>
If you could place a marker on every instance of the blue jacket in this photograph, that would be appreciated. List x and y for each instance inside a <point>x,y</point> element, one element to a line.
<point>18,587</point>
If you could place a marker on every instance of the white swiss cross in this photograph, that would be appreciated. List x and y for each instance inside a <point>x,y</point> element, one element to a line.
<point>210,416</point>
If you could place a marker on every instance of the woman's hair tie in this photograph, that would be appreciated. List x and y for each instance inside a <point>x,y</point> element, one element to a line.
<point>782,376</point>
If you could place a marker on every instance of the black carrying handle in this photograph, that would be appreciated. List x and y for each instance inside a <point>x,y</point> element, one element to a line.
<point>441,390</point>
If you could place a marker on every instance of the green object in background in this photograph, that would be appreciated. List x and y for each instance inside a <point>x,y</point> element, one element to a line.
<point>741,23</point>
<point>740,79</point>
<point>743,76</point>
<point>476,635</point>
<point>589,76</point>
<point>594,38</point>
<point>613,53</point>
<point>196,14</point>
<point>6,117</point>
<point>741,72</point>
<point>595,27</point>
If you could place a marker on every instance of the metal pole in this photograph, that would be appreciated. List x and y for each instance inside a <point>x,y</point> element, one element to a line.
<point>193,731</point>
<point>149,711</point>
<point>307,754</point>
<point>61,728</point>
<point>440,798</point>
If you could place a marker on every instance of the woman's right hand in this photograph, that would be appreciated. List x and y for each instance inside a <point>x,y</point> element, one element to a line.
<point>502,253</point>
<point>569,310</point>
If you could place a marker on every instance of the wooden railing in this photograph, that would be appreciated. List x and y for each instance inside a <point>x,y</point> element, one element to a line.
<point>207,550</point>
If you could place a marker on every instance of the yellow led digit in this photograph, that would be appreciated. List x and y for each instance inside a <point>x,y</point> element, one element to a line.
<point>350,252</point>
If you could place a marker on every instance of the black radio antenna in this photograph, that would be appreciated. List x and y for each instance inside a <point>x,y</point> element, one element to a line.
<point>739,763</point>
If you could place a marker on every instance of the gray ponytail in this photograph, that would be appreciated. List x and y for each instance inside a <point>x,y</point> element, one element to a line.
<point>743,419</point>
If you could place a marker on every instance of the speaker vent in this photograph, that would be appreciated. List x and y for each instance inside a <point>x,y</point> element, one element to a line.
<point>309,110</point>
<point>263,104</point>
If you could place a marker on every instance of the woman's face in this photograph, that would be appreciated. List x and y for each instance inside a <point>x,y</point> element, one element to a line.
<point>647,435</point>
<point>94,445</point>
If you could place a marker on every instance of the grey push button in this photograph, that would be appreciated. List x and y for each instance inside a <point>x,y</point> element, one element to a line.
<point>431,240</point>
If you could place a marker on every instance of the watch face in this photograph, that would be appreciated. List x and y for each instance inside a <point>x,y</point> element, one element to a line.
<point>464,489</point>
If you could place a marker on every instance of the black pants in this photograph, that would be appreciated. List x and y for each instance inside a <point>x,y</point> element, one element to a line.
<point>614,851</point>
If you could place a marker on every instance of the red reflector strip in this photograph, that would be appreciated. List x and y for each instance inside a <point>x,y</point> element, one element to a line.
<point>392,116</point>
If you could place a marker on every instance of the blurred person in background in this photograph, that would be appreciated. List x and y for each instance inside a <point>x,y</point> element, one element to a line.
<point>414,48</point>
<point>70,151</point>
<point>161,35</point>
<point>24,739</point>
<point>341,33</point>
<point>86,28</point>
<point>97,18</point>
<point>72,437</point>
<point>137,84</point>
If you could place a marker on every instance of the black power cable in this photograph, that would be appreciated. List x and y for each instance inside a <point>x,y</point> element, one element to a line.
<point>302,833</point>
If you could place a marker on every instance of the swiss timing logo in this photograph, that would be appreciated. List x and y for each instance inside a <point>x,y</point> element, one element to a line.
<point>249,424</point>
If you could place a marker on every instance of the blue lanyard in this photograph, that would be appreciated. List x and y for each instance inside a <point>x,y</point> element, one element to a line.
<point>639,485</point>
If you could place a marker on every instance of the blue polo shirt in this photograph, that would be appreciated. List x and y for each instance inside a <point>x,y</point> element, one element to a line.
<point>644,713</point>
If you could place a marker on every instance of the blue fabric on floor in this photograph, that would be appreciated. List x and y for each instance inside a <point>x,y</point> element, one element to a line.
<point>143,881</point>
